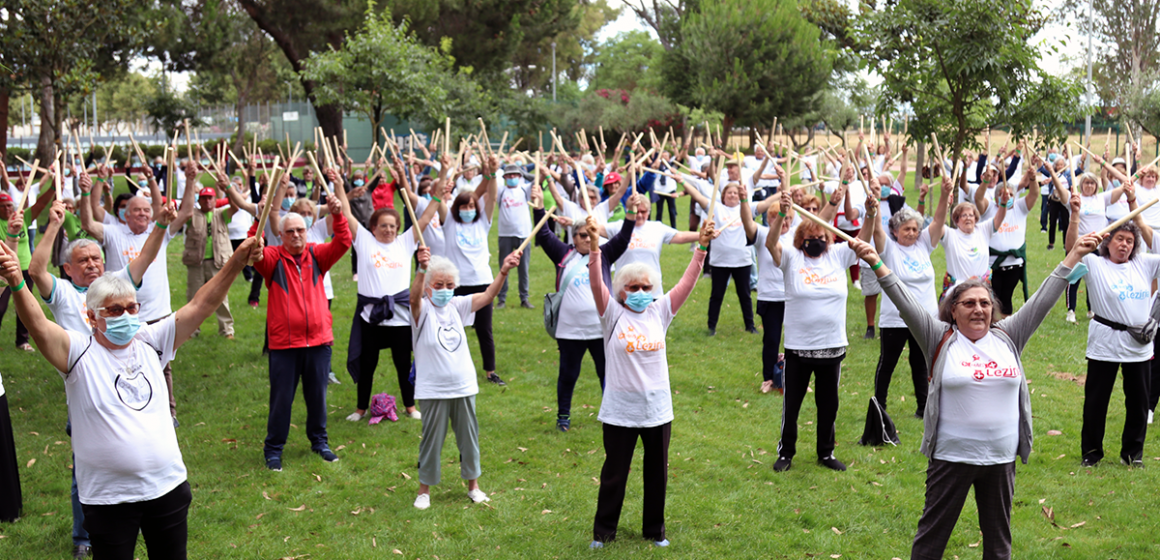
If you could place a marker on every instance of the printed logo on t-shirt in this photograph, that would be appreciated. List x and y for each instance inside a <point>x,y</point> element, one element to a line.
<point>449,338</point>
<point>511,202</point>
<point>581,280</point>
<point>133,388</point>
<point>131,253</point>
<point>383,261</point>
<point>467,238</point>
<point>1125,291</point>
<point>1008,227</point>
<point>639,342</point>
<point>973,252</point>
<point>810,277</point>
<point>640,243</point>
<point>984,370</point>
<point>915,266</point>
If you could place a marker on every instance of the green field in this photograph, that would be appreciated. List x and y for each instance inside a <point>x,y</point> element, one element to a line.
<point>724,500</point>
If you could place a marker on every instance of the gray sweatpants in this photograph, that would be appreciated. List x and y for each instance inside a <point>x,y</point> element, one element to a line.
<point>506,246</point>
<point>436,413</point>
<point>947,485</point>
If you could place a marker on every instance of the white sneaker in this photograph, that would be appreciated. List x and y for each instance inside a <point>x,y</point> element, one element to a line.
<point>332,379</point>
<point>1071,316</point>
<point>414,414</point>
<point>1149,416</point>
<point>423,501</point>
<point>354,417</point>
<point>858,285</point>
<point>478,496</point>
<point>1091,314</point>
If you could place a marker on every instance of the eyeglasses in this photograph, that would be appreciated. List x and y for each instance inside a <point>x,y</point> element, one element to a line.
<point>973,303</point>
<point>582,235</point>
<point>118,310</point>
<point>638,288</point>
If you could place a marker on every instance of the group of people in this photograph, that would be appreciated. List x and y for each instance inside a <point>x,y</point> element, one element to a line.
<point>424,275</point>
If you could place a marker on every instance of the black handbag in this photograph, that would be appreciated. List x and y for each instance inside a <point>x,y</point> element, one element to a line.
<point>879,427</point>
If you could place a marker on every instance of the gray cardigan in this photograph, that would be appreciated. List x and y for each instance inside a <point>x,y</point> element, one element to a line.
<point>1014,331</point>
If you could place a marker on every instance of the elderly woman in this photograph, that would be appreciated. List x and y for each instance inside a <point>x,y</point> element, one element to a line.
<point>966,244</point>
<point>578,324</point>
<point>637,399</point>
<point>465,235</point>
<point>112,377</point>
<point>1121,278</point>
<point>445,382</point>
<point>815,320</point>
<point>730,257</point>
<point>379,320</point>
<point>648,237</point>
<point>907,250</point>
<point>976,372</point>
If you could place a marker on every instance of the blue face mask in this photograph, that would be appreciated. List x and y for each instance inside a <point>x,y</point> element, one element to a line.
<point>121,214</point>
<point>286,204</point>
<point>467,216</point>
<point>441,297</point>
<point>638,301</point>
<point>309,221</point>
<point>885,192</point>
<point>427,196</point>
<point>359,182</point>
<point>121,330</point>
<point>511,181</point>
<point>143,183</point>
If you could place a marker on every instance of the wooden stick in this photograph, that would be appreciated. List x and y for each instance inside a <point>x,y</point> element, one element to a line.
<point>825,225</point>
<point>31,180</point>
<point>447,137</point>
<point>603,146</point>
<point>1130,215</point>
<point>411,212</point>
<point>318,173</point>
<point>502,142</point>
<point>544,220</point>
<point>716,187</point>
<point>56,178</point>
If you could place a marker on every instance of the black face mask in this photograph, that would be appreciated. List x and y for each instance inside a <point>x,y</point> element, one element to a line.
<point>814,247</point>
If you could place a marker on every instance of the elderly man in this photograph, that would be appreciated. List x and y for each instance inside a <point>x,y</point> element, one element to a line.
<point>19,239</point>
<point>123,244</point>
<point>299,323</point>
<point>207,248</point>
<point>515,225</point>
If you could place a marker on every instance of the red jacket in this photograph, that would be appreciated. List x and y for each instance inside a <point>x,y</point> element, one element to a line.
<point>297,314</point>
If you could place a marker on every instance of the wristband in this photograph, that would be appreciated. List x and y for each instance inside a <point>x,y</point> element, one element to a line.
<point>9,234</point>
<point>161,225</point>
<point>100,180</point>
<point>780,213</point>
<point>630,213</point>
<point>702,247</point>
<point>435,198</point>
<point>876,265</point>
<point>489,176</point>
<point>18,286</point>
<point>845,182</point>
<point>421,271</point>
<point>86,193</point>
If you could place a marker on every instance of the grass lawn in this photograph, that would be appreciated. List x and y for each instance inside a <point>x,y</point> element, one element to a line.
<point>724,500</point>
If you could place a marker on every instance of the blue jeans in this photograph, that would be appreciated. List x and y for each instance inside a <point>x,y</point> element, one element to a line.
<point>286,367</point>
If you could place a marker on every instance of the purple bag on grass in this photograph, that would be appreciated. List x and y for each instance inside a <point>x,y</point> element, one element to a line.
<point>382,406</point>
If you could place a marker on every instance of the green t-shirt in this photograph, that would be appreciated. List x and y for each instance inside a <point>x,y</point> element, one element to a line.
<point>72,227</point>
<point>23,253</point>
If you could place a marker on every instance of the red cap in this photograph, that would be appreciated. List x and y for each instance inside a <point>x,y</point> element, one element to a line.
<point>613,177</point>
<point>208,191</point>
<point>5,198</point>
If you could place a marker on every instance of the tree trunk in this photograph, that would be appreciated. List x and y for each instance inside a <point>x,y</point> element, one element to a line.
<point>726,130</point>
<point>4,122</point>
<point>46,143</point>
<point>239,109</point>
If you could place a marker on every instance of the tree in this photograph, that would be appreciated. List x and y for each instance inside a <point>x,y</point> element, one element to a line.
<point>167,111</point>
<point>628,61</point>
<point>749,59</point>
<point>963,65</point>
<point>383,67</point>
<point>664,17</point>
<point>531,65</point>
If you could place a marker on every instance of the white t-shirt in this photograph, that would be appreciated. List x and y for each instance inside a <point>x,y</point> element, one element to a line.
<point>1120,293</point>
<point>1092,212</point>
<point>770,279</point>
<point>319,232</point>
<point>978,418</point>
<point>386,270</point>
<point>1144,196</point>
<point>121,247</point>
<point>578,317</point>
<point>857,199</point>
<point>1012,233</point>
<point>126,448</point>
<point>645,246</point>
<point>68,305</point>
<point>989,196</point>
<point>462,184</point>
<point>466,247</point>
<point>515,219</point>
<point>815,290</point>
<point>636,379</point>
<point>433,235</point>
<point>730,249</point>
<point>240,224</point>
<point>913,267</point>
<point>1118,210</point>
<point>443,367</point>
<point>967,254</point>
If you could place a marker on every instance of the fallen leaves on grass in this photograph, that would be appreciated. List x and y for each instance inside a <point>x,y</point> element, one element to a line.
<point>545,512</point>
<point>299,508</point>
<point>1054,433</point>
<point>835,530</point>
<point>405,475</point>
<point>30,463</point>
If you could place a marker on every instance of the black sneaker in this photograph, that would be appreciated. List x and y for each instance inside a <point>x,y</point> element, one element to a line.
<point>751,330</point>
<point>527,305</point>
<point>327,455</point>
<point>82,551</point>
<point>783,464</point>
<point>712,332</point>
<point>1089,461</point>
<point>274,464</point>
<point>563,424</point>
<point>832,463</point>
<point>495,379</point>
<point>501,305</point>
<point>869,333</point>
<point>1136,462</point>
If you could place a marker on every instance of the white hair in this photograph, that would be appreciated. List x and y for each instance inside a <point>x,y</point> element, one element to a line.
<point>901,217</point>
<point>441,266</point>
<point>634,271</point>
<point>78,244</point>
<point>291,216</point>
<point>108,286</point>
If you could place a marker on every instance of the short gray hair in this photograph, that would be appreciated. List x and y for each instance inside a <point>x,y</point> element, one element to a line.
<point>108,286</point>
<point>289,216</point>
<point>634,271</point>
<point>441,265</point>
<point>78,244</point>
<point>905,214</point>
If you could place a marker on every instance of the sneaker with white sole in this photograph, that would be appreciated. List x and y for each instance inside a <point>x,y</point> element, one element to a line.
<point>1150,416</point>
<point>423,501</point>
<point>414,414</point>
<point>354,417</point>
<point>478,496</point>
<point>661,543</point>
<point>332,379</point>
<point>1070,317</point>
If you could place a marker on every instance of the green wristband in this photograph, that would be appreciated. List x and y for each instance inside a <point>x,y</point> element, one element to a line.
<point>702,247</point>
<point>161,225</point>
<point>86,194</point>
<point>876,265</point>
<point>18,286</point>
<point>9,234</point>
<point>436,199</point>
<point>421,270</point>
<point>780,213</point>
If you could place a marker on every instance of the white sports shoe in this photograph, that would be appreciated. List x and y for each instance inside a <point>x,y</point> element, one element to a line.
<point>354,417</point>
<point>423,501</point>
<point>414,414</point>
<point>478,496</point>
<point>1149,416</point>
<point>1071,316</point>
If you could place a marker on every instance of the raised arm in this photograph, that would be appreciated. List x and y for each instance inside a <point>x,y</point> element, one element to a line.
<point>773,240</point>
<point>696,195</point>
<point>688,281</point>
<point>51,340</point>
<point>423,256</point>
<point>482,299</point>
<point>153,243</point>
<point>38,268</point>
<point>104,176</point>
<point>596,274</point>
<point>94,228</point>
<point>188,198</point>
<point>210,296</point>
<point>939,223</point>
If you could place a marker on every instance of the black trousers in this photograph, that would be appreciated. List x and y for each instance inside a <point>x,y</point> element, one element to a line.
<point>5,296</point>
<point>1073,297</point>
<point>892,342</point>
<point>947,485</point>
<point>1097,392</point>
<point>1154,376</point>
<point>619,445</point>
<point>376,338</point>
<point>571,357</point>
<point>11,501</point>
<point>669,201</point>
<point>311,365</point>
<point>1057,213</point>
<point>797,379</point>
<point>162,521</point>
<point>1004,281</point>
<point>720,282</point>
<point>772,315</point>
<point>482,326</point>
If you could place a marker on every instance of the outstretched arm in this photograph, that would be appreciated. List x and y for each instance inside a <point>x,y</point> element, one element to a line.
<point>688,281</point>
<point>211,295</point>
<point>481,300</point>
<point>153,243</point>
<point>94,228</point>
<point>51,339</point>
<point>38,268</point>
